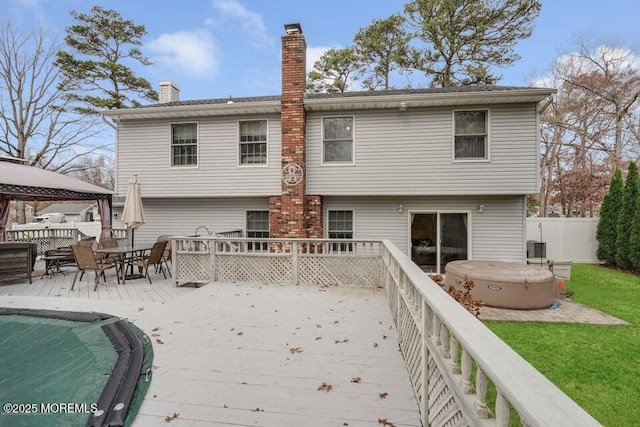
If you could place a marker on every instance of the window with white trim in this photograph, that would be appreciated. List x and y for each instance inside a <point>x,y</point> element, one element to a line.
<point>471,137</point>
<point>337,140</point>
<point>257,228</point>
<point>252,135</point>
<point>340,226</point>
<point>184,144</point>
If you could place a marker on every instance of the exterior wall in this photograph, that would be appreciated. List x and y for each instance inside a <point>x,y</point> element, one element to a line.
<point>497,234</point>
<point>411,153</point>
<point>180,217</point>
<point>144,148</point>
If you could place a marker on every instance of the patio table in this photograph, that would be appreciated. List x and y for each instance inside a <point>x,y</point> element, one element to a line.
<point>126,255</point>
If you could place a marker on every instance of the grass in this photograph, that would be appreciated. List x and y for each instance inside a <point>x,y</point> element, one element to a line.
<point>597,366</point>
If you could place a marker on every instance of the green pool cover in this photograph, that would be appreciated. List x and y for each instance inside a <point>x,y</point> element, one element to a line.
<point>68,368</point>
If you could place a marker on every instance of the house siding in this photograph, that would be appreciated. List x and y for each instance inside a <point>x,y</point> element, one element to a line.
<point>144,149</point>
<point>180,217</point>
<point>411,153</point>
<point>496,234</point>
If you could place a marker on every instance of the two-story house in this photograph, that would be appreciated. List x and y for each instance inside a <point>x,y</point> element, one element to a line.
<point>443,173</point>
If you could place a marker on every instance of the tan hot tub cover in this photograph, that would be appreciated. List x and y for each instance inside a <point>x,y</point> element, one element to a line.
<point>503,284</point>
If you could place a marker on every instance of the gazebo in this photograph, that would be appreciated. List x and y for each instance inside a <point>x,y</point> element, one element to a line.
<point>22,182</point>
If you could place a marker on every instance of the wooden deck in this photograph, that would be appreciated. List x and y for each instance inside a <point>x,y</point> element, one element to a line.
<point>252,354</point>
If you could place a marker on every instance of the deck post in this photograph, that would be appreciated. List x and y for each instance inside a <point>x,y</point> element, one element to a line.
<point>295,276</point>
<point>424,398</point>
<point>174,259</point>
<point>213,247</point>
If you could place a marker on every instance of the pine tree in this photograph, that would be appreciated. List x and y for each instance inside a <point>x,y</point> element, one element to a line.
<point>608,225</point>
<point>627,213</point>
<point>634,239</point>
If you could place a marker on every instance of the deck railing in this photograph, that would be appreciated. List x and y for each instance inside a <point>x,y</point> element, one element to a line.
<point>453,360</point>
<point>47,238</point>
<point>53,238</point>
<point>319,261</point>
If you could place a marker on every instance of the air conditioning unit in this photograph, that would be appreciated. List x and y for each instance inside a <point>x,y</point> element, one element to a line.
<point>536,249</point>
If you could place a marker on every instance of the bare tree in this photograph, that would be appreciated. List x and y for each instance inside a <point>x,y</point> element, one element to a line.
<point>98,171</point>
<point>36,122</point>
<point>609,73</point>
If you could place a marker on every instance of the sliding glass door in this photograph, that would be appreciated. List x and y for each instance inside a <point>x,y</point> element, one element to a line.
<point>438,238</point>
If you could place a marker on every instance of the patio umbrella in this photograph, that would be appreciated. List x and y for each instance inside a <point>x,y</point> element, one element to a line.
<point>133,213</point>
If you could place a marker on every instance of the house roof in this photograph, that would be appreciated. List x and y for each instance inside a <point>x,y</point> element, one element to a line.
<point>24,182</point>
<point>412,98</point>
<point>66,208</point>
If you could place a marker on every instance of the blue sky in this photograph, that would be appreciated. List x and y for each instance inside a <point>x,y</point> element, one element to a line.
<point>218,48</point>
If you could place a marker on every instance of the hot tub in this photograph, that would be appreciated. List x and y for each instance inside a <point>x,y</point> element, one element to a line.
<point>503,284</point>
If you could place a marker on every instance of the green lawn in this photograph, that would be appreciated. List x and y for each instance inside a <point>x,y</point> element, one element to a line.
<point>597,366</point>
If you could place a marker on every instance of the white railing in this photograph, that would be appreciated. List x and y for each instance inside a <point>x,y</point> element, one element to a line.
<point>46,238</point>
<point>318,261</point>
<point>442,344</point>
<point>52,238</point>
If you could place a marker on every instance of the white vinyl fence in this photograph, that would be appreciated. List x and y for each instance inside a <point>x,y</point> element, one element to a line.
<point>567,239</point>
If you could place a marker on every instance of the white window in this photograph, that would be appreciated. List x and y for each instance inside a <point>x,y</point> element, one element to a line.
<point>253,142</point>
<point>258,224</point>
<point>337,140</point>
<point>471,137</point>
<point>340,226</point>
<point>257,228</point>
<point>184,144</point>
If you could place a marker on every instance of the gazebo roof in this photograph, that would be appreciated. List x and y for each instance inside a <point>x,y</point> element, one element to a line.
<point>22,182</point>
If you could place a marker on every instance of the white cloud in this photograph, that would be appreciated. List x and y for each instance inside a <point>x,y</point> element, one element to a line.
<point>191,52</point>
<point>251,23</point>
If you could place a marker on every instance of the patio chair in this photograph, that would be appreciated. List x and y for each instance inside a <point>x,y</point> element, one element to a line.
<point>86,260</point>
<point>88,241</point>
<point>166,255</point>
<point>154,259</point>
<point>108,243</point>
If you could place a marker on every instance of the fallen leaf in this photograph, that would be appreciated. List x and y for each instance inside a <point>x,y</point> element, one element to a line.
<point>326,387</point>
<point>375,344</point>
<point>383,395</point>
<point>384,422</point>
<point>318,338</point>
<point>240,333</point>
<point>318,325</point>
<point>345,424</point>
<point>155,329</point>
<point>233,329</point>
<point>356,379</point>
<point>296,350</point>
<point>159,341</point>
<point>336,321</point>
<point>170,418</point>
<point>155,335</point>
<point>384,337</point>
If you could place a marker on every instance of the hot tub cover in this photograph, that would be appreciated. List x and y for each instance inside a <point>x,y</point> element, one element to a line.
<point>499,271</point>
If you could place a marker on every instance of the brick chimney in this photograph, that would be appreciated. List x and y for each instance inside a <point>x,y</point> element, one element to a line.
<point>293,213</point>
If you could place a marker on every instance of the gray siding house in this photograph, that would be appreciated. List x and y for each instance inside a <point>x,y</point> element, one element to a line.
<point>443,173</point>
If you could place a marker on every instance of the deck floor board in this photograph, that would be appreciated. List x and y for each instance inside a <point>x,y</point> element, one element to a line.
<point>250,354</point>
